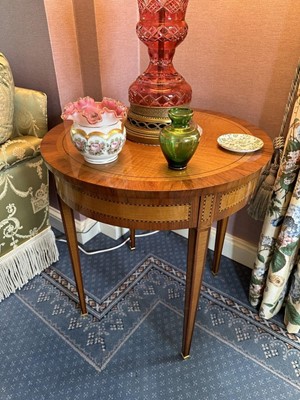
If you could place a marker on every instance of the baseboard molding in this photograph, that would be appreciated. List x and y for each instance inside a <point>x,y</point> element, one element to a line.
<point>86,229</point>
<point>234,248</point>
<point>114,232</point>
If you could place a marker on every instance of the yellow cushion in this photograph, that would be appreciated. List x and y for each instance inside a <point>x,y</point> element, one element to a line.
<point>6,99</point>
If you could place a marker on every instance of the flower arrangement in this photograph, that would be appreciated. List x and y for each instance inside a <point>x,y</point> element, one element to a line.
<point>88,112</point>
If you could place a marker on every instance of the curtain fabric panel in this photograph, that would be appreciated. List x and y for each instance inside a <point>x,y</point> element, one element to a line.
<point>275,280</point>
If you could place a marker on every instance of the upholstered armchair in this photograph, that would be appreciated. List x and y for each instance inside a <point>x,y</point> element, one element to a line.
<point>27,243</point>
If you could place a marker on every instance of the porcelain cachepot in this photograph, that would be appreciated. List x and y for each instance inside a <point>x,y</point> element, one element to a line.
<point>99,145</point>
<point>98,130</point>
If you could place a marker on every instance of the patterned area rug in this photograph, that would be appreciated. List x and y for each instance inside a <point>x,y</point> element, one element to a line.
<point>128,346</point>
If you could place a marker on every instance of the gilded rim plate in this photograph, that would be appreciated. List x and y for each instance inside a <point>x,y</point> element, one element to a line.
<point>240,142</point>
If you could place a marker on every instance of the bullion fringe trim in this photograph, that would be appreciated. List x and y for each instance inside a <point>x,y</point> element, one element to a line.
<point>27,261</point>
<point>258,205</point>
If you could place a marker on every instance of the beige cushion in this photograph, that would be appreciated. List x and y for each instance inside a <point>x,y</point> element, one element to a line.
<point>6,99</point>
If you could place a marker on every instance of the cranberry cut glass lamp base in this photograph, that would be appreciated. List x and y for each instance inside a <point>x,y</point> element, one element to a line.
<point>161,28</point>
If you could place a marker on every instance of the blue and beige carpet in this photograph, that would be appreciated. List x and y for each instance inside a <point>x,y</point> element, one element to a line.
<point>128,346</point>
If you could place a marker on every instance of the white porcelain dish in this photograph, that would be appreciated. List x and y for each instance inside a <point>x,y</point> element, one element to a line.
<point>240,142</point>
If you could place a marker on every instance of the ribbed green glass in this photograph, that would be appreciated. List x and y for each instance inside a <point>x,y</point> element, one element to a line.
<point>180,139</point>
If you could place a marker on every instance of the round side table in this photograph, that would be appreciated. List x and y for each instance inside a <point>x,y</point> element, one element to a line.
<point>139,191</point>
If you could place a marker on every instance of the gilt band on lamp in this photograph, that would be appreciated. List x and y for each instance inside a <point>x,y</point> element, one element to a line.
<point>161,28</point>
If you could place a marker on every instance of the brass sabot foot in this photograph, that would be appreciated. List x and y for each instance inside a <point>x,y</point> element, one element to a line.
<point>185,357</point>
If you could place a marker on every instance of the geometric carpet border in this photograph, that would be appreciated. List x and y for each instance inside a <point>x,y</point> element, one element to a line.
<point>96,307</point>
<point>113,318</point>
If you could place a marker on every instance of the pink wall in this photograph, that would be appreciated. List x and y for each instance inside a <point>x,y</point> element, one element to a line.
<point>118,46</point>
<point>65,52</point>
<point>116,43</point>
<point>239,57</point>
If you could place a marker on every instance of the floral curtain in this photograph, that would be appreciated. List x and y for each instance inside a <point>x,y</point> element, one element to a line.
<point>275,280</point>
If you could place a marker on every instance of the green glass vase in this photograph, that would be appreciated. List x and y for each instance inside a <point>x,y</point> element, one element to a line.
<point>180,139</point>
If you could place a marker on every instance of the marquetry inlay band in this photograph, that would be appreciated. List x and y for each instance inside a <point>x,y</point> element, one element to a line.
<point>129,211</point>
<point>139,212</point>
<point>234,197</point>
<point>207,207</point>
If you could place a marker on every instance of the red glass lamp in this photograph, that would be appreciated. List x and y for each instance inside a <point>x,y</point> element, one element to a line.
<point>161,28</point>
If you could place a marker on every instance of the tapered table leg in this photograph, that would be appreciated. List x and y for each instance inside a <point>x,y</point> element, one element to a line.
<point>220,236</point>
<point>70,231</point>
<point>197,248</point>
<point>132,239</point>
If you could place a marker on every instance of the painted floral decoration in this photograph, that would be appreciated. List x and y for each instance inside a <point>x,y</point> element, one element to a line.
<point>88,112</point>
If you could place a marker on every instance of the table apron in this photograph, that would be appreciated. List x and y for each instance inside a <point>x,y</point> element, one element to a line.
<point>167,211</point>
<point>130,211</point>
